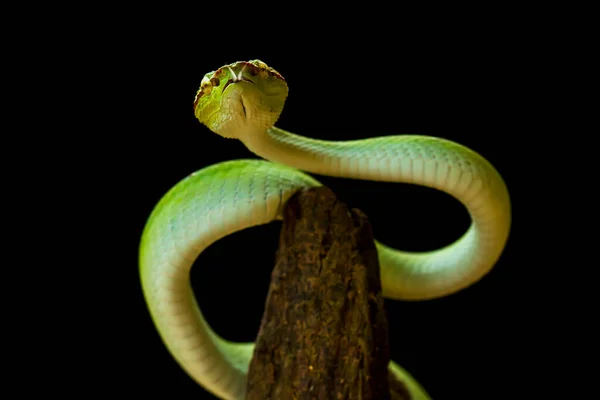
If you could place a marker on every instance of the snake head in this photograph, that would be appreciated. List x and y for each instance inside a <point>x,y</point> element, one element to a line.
<point>240,98</point>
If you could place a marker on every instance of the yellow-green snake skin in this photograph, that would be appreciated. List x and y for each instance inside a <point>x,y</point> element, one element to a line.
<point>243,100</point>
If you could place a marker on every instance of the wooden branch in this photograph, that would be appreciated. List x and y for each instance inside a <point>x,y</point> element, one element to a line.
<point>324,333</point>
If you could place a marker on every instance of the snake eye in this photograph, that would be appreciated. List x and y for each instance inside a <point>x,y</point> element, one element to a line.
<point>214,81</point>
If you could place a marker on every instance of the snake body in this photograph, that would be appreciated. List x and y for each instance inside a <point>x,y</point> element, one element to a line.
<point>243,100</point>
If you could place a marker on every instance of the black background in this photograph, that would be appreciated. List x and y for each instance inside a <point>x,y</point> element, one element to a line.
<point>460,85</point>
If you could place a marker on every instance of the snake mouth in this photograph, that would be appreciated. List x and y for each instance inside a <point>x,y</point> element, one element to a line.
<point>241,79</point>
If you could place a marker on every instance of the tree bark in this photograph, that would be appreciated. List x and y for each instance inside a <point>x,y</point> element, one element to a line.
<point>324,333</point>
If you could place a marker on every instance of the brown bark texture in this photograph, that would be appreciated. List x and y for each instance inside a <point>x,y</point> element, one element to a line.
<point>324,333</point>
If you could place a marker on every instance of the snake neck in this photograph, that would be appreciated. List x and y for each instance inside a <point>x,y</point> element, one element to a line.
<point>307,154</point>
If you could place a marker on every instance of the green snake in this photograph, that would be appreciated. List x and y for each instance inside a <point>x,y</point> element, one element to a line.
<point>243,100</point>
